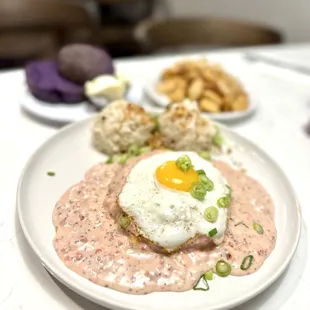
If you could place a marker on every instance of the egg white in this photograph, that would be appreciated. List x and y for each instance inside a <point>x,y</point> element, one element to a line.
<point>167,217</point>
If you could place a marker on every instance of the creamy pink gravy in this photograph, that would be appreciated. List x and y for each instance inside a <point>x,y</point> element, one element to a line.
<point>90,242</point>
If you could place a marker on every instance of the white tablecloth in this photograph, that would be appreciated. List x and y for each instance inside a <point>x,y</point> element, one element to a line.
<point>277,127</point>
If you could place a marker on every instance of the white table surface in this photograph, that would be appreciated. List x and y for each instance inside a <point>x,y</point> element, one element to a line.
<point>277,127</point>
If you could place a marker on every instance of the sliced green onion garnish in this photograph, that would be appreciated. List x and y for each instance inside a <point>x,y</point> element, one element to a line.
<point>223,202</point>
<point>198,191</point>
<point>217,138</point>
<point>229,191</point>
<point>184,163</point>
<point>121,159</point>
<point>258,228</point>
<point>156,124</point>
<point>222,268</point>
<point>144,149</point>
<point>124,221</point>
<point>211,214</point>
<point>50,173</point>
<point>169,106</point>
<point>133,150</point>
<point>212,232</point>
<point>205,155</point>
<point>202,284</point>
<point>209,185</point>
<point>110,160</point>
<point>247,262</point>
<point>200,172</point>
<point>203,178</point>
<point>208,275</point>
<point>241,223</point>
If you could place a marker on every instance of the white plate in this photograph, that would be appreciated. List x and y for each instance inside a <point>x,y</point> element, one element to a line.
<point>162,101</point>
<point>69,154</point>
<point>64,113</point>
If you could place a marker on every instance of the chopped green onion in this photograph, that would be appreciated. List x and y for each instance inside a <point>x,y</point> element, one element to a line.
<point>247,262</point>
<point>258,228</point>
<point>211,214</point>
<point>229,191</point>
<point>184,163</point>
<point>222,268</point>
<point>198,191</point>
<point>217,138</point>
<point>209,185</point>
<point>110,160</point>
<point>121,159</point>
<point>205,155</point>
<point>144,149</point>
<point>223,202</point>
<point>50,173</point>
<point>212,232</point>
<point>200,172</point>
<point>208,275</point>
<point>133,150</point>
<point>202,284</point>
<point>155,120</point>
<point>241,223</point>
<point>124,221</point>
<point>169,106</point>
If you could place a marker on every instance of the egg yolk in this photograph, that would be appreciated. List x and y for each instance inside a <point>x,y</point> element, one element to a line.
<point>169,175</point>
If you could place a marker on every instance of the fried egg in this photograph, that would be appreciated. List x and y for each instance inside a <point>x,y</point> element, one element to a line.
<point>157,197</point>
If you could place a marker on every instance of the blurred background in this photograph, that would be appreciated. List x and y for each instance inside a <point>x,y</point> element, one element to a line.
<point>36,29</point>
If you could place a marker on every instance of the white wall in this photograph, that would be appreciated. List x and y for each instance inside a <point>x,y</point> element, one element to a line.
<point>290,16</point>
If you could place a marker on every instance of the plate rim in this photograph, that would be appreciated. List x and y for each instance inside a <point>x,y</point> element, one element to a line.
<point>26,96</point>
<point>233,303</point>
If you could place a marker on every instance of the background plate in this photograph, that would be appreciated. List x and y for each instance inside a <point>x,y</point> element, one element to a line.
<point>65,112</point>
<point>162,100</point>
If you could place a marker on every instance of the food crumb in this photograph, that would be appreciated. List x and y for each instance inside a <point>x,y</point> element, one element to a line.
<point>51,173</point>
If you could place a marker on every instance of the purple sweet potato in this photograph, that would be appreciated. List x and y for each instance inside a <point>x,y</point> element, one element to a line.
<point>46,84</point>
<point>81,62</point>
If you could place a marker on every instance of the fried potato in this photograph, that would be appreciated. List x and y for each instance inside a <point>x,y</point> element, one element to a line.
<point>209,77</point>
<point>240,104</point>
<point>177,95</point>
<point>213,96</point>
<point>209,106</point>
<point>166,86</point>
<point>198,80</point>
<point>195,89</point>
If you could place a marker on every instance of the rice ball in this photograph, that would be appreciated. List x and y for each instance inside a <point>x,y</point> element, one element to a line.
<point>120,125</point>
<point>182,127</point>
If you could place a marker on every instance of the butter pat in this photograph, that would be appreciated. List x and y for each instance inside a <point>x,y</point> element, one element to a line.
<point>107,86</point>
<point>123,79</point>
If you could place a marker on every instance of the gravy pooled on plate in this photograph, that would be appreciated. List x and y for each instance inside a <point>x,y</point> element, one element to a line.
<point>90,241</point>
